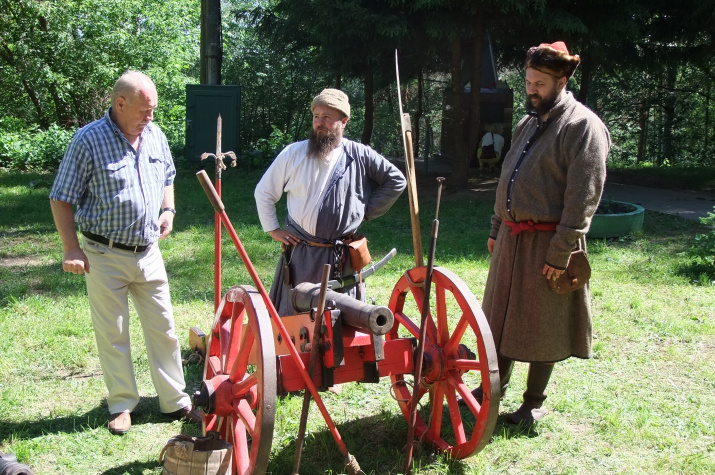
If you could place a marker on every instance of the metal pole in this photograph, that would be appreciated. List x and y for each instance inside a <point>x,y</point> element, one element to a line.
<point>311,367</point>
<point>220,166</point>
<point>423,334</point>
<point>217,220</point>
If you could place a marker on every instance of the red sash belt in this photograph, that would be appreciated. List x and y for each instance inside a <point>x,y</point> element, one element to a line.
<point>517,228</point>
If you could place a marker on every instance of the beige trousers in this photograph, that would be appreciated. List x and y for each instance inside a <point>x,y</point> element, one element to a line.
<point>115,275</point>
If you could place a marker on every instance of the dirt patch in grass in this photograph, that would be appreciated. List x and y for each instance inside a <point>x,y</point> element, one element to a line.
<point>21,261</point>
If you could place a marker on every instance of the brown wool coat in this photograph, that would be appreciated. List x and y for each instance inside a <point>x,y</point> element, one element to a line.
<point>559,180</point>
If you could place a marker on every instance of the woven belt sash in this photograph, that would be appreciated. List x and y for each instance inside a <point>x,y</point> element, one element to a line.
<point>518,227</point>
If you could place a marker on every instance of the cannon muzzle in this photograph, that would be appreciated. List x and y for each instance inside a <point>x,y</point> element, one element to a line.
<point>376,319</point>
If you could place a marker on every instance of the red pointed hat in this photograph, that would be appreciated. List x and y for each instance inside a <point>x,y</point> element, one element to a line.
<point>558,46</point>
<point>553,59</point>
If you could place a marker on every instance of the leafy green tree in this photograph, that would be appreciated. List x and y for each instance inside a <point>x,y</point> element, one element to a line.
<point>277,83</point>
<point>60,58</point>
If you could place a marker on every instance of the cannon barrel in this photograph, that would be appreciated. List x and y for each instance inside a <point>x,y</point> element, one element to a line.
<point>376,319</point>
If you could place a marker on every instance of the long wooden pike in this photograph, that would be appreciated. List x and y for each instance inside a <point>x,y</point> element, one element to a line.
<point>406,125</point>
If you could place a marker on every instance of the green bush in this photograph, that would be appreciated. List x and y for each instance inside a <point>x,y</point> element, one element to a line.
<point>25,147</point>
<point>268,149</point>
<point>702,267</point>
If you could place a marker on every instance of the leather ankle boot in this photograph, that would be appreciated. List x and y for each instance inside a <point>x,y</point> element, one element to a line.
<point>532,409</point>
<point>505,367</point>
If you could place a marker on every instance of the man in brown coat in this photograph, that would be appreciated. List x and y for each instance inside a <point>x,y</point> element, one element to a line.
<point>549,189</point>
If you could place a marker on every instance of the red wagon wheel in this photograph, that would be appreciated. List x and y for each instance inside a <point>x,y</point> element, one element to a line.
<point>449,354</point>
<point>238,394</point>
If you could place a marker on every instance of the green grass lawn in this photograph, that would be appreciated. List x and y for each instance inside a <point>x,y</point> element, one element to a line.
<point>644,404</point>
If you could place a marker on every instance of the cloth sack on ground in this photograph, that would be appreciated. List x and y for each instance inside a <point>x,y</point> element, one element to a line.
<point>186,455</point>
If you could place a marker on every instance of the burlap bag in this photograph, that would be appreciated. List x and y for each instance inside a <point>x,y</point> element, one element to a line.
<point>185,455</point>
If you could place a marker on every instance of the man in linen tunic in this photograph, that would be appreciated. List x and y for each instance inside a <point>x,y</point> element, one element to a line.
<point>552,176</point>
<point>331,189</point>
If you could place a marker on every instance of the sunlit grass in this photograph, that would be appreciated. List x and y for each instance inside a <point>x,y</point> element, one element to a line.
<point>644,404</point>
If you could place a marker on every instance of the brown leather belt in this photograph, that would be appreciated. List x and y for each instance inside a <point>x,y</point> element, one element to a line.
<point>112,244</point>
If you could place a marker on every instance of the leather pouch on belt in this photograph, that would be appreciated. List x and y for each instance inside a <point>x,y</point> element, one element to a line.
<point>359,254</point>
<point>577,274</point>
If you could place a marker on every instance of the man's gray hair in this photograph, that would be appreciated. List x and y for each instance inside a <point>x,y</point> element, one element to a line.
<point>129,84</point>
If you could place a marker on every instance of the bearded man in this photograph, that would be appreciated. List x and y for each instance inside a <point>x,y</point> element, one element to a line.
<point>333,184</point>
<point>549,189</point>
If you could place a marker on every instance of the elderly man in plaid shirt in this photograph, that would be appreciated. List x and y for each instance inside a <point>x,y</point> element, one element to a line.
<point>119,173</point>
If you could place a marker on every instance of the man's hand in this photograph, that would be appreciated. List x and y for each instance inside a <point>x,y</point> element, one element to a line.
<point>490,245</point>
<point>166,224</point>
<point>75,261</point>
<point>551,272</point>
<point>283,237</point>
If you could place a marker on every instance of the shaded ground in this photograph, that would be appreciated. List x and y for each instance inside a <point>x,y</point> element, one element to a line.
<point>688,193</point>
<point>692,179</point>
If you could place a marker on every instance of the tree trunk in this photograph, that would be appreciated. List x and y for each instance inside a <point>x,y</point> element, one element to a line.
<point>7,55</point>
<point>669,116</point>
<point>41,118</point>
<point>705,156</point>
<point>642,130</point>
<point>62,109</point>
<point>466,141</point>
<point>211,42</point>
<point>369,107</point>
<point>456,115</point>
<point>586,70</point>
<point>473,137</point>
<point>418,115</point>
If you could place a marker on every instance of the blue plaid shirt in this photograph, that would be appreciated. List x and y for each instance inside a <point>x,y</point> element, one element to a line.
<point>118,191</point>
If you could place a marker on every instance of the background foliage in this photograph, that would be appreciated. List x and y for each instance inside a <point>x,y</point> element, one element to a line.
<point>647,67</point>
<point>59,60</point>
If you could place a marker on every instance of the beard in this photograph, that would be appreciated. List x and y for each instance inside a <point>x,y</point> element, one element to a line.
<point>544,105</point>
<point>320,145</point>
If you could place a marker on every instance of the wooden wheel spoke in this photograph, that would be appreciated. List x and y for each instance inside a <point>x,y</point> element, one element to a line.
<point>456,417</point>
<point>213,364</point>
<point>422,392</point>
<point>242,388</point>
<point>240,445</point>
<point>464,365</point>
<point>452,343</point>
<point>240,364</point>
<point>247,416</point>
<point>442,323</point>
<point>210,423</point>
<point>435,427</point>
<point>418,295</point>
<point>409,325</point>
<point>455,380</point>
<point>235,338</point>
<point>224,338</point>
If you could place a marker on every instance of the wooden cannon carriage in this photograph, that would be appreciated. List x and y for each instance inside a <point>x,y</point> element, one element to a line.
<point>253,356</point>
